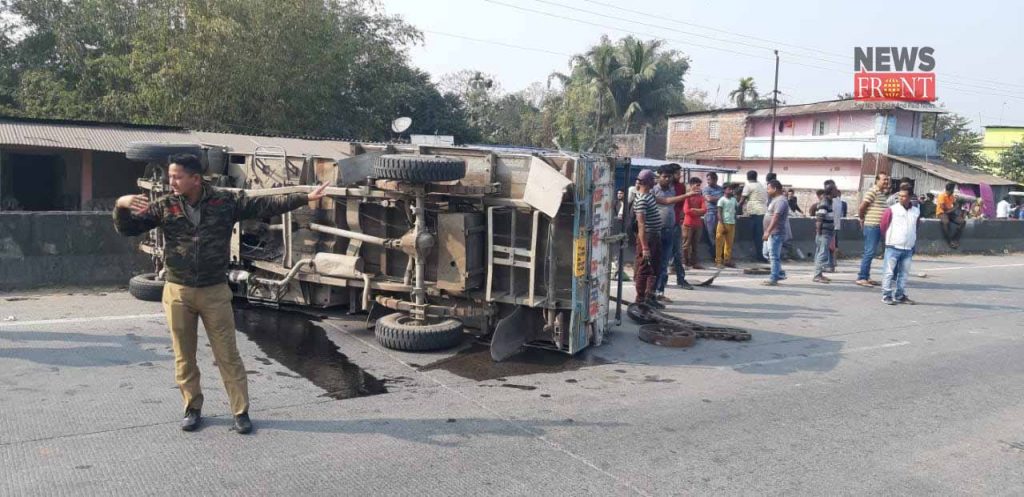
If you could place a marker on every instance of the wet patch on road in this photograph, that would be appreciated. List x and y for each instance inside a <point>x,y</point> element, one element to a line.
<point>475,363</point>
<point>297,343</point>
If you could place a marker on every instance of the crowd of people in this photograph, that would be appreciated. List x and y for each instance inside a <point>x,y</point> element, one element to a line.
<point>669,219</point>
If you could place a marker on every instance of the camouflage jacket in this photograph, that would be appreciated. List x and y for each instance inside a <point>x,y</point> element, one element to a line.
<point>197,255</point>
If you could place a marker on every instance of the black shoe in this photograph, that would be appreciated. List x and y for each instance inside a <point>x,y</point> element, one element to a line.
<point>191,420</point>
<point>905,300</point>
<point>242,424</point>
<point>684,285</point>
<point>652,303</point>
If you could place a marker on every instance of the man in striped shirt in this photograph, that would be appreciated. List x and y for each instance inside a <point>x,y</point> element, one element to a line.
<point>871,209</point>
<point>648,238</point>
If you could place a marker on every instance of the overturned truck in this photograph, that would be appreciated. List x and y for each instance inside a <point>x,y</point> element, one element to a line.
<point>430,241</point>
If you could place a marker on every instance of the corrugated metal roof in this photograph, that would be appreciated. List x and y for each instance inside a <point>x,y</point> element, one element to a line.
<point>952,172</point>
<point>109,137</point>
<point>83,136</point>
<point>844,106</point>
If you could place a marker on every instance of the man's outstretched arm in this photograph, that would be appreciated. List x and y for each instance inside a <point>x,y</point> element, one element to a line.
<point>134,215</point>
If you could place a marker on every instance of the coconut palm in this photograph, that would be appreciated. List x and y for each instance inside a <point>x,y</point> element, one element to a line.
<point>640,62</point>
<point>746,94</point>
<point>598,68</point>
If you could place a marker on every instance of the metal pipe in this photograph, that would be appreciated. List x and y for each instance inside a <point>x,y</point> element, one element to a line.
<point>288,277</point>
<point>421,220</point>
<point>347,234</point>
<point>366,291</point>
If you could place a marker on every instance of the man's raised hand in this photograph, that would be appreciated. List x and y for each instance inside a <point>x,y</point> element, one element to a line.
<point>137,203</point>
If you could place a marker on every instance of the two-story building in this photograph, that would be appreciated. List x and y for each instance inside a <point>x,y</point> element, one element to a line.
<point>813,142</point>
<point>998,139</point>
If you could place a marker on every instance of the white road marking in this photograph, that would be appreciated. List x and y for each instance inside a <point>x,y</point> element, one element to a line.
<point>812,356</point>
<point>11,324</point>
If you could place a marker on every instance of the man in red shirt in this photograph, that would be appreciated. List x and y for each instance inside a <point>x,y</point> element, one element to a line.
<point>693,223</point>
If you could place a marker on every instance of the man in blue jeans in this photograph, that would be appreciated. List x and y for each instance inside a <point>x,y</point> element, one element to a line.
<point>871,209</point>
<point>900,225</point>
<point>775,230</point>
<point>671,233</point>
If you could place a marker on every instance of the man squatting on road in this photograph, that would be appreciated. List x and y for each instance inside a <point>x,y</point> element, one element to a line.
<point>197,220</point>
<point>647,266</point>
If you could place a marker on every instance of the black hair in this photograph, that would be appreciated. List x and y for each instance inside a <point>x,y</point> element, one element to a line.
<point>830,182</point>
<point>665,169</point>
<point>820,193</point>
<point>695,180</point>
<point>776,184</point>
<point>713,175</point>
<point>189,162</point>
<point>880,174</point>
<point>768,178</point>
<point>930,195</point>
<point>751,175</point>
<point>950,186</point>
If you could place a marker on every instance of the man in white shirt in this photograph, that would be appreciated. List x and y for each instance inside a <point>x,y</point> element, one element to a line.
<point>755,203</point>
<point>1003,208</point>
<point>899,224</point>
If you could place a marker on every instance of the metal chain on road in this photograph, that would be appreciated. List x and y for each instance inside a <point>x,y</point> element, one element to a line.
<point>642,314</point>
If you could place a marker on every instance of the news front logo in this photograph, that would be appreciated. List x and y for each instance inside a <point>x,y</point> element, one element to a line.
<point>894,74</point>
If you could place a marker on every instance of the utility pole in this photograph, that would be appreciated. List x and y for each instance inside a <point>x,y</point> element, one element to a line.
<point>775,106</point>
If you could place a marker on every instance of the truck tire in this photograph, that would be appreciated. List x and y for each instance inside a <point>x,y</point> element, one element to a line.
<point>160,152</point>
<point>146,287</point>
<point>216,160</point>
<point>399,331</point>
<point>419,168</point>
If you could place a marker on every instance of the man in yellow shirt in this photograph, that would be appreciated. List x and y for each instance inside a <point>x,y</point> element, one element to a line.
<point>949,214</point>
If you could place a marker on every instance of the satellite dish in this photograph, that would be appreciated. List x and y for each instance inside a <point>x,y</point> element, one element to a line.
<point>401,124</point>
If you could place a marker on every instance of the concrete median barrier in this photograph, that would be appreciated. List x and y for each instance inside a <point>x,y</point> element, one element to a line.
<point>41,249</point>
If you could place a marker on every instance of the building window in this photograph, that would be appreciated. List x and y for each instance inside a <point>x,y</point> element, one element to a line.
<point>713,130</point>
<point>683,126</point>
<point>820,127</point>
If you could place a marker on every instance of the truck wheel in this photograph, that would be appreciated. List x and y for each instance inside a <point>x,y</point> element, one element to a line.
<point>419,168</point>
<point>160,152</point>
<point>216,160</point>
<point>400,331</point>
<point>146,287</point>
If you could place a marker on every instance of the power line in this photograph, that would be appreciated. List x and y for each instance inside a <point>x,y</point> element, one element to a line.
<point>692,74</point>
<point>843,58</point>
<point>658,26</point>
<point>954,86</point>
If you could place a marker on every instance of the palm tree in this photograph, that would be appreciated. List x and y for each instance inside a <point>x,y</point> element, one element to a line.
<point>640,62</point>
<point>746,94</point>
<point>598,68</point>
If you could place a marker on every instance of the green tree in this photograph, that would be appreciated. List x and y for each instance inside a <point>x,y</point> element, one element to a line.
<point>957,142</point>
<point>1011,163</point>
<point>304,67</point>
<point>745,95</point>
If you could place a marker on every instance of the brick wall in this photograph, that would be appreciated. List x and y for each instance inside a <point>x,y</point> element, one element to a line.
<point>689,135</point>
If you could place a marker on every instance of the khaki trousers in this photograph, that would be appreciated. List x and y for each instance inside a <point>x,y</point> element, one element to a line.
<point>724,235</point>
<point>184,306</point>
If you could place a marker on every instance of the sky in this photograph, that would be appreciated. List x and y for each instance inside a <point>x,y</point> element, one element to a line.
<point>977,44</point>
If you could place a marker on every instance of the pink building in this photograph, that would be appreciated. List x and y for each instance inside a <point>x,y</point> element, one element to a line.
<point>828,140</point>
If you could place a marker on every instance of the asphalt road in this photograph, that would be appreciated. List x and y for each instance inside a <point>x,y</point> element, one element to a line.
<point>836,394</point>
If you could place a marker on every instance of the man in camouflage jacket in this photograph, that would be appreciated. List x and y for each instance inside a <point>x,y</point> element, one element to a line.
<point>197,220</point>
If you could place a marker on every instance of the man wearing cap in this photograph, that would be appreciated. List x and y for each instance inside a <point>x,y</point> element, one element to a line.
<point>648,239</point>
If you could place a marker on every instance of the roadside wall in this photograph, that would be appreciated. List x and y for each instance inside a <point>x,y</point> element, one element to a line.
<point>39,249</point>
<point>980,237</point>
